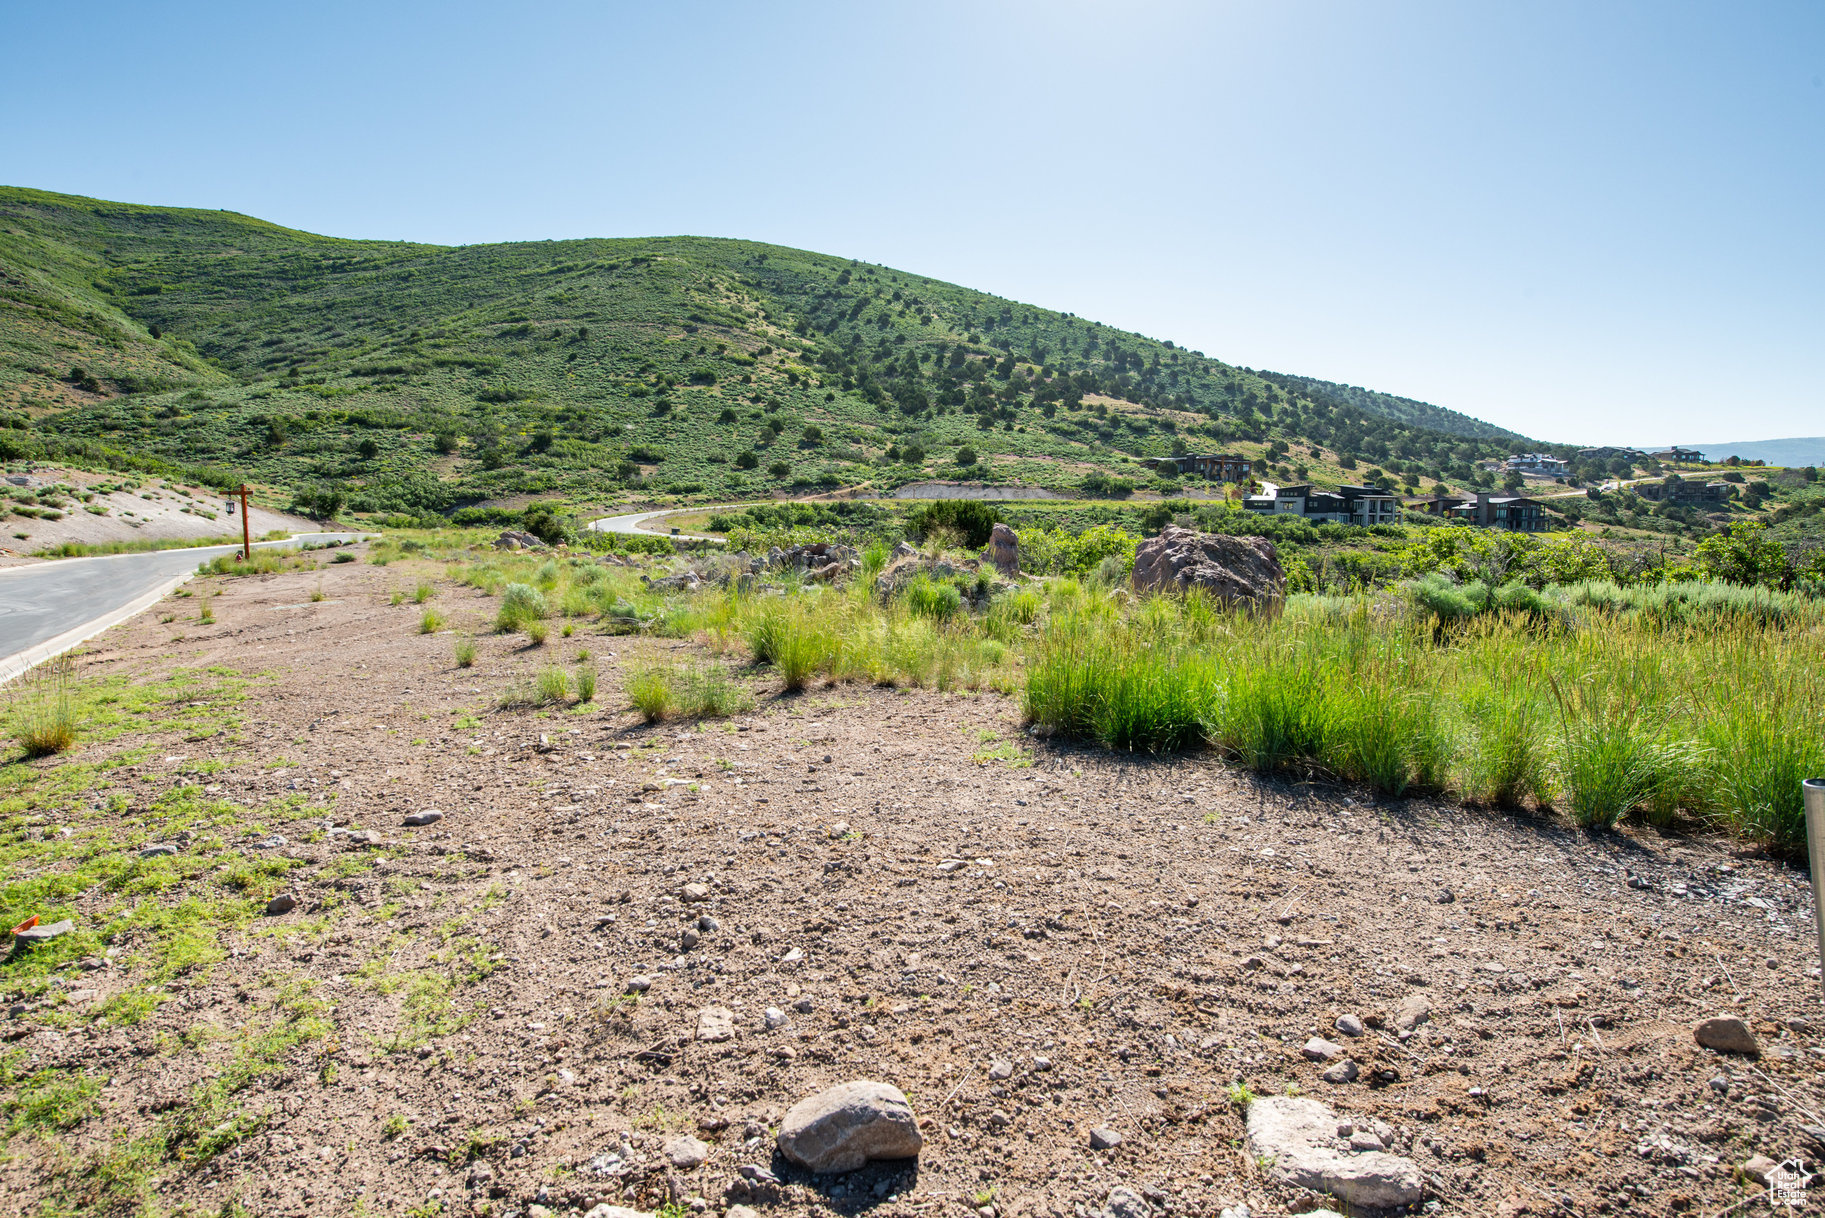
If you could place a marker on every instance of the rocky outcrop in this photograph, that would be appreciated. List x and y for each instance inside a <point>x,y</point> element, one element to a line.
<point>1304,1144</point>
<point>514,539</point>
<point>848,1125</point>
<point>1242,572</point>
<point>1004,550</point>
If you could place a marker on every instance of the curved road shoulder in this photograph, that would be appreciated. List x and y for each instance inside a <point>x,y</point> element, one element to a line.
<point>49,607</point>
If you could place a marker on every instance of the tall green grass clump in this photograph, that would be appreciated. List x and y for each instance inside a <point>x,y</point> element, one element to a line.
<point>553,685</point>
<point>586,683</point>
<point>652,691</point>
<point>44,709</point>
<point>465,653</point>
<point>430,622</point>
<point>929,598</point>
<point>521,605</point>
<point>789,635</point>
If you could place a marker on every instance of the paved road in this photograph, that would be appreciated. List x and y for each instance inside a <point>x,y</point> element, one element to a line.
<point>635,522</point>
<point>48,607</point>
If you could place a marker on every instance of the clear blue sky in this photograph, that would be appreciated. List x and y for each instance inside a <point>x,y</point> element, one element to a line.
<point>1587,221</point>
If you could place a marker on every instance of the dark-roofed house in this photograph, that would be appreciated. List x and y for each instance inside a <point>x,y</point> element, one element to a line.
<point>1490,509</point>
<point>1362,505</point>
<point>1218,467</point>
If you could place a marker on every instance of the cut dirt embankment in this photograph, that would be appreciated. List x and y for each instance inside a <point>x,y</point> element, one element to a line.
<point>47,507</point>
<point>1070,960</point>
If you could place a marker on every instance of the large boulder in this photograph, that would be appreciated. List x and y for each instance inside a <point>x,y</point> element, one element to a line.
<point>1004,550</point>
<point>1300,1141</point>
<point>841,1129</point>
<point>1239,571</point>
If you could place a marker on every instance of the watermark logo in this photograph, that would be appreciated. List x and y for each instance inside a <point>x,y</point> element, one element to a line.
<point>1787,1184</point>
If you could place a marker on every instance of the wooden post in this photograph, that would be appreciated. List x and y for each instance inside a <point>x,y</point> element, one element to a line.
<point>246,529</point>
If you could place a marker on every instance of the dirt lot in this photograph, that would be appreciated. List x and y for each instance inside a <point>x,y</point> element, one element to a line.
<point>450,1014</point>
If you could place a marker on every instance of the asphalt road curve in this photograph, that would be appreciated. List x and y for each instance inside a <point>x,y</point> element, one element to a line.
<point>49,607</point>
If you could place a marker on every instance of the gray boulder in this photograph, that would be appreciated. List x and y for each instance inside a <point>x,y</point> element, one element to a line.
<point>1240,572</point>
<point>1298,1139</point>
<point>841,1129</point>
<point>1004,550</point>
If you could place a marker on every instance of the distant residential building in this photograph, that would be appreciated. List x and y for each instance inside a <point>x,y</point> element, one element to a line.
<point>1675,489</point>
<point>1363,505</point>
<point>1679,456</point>
<point>1489,509</point>
<point>1609,452</point>
<point>1218,467</point>
<point>1542,464</point>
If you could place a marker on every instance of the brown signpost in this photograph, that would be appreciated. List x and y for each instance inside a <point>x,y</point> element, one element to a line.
<point>246,532</point>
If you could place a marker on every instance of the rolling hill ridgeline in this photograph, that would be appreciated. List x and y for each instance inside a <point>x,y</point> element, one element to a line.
<point>413,378</point>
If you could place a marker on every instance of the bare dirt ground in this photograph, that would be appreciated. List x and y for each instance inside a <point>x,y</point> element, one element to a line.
<point>925,893</point>
<point>156,509</point>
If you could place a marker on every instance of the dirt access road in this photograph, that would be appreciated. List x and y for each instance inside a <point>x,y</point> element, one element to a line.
<point>1031,941</point>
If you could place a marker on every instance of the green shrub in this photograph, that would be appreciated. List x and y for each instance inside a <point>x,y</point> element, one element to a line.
<point>970,519</point>
<point>586,683</point>
<point>520,606</point>
<point>465,653</point>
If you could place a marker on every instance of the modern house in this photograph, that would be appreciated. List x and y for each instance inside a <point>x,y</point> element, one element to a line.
<point>1346,505</point>
<point>1679,456</point>
<point>1609,452</point>
<point>1490,510</point>
<point>1679,490</point>
<point>1542,464</point>
<point>1218,467</point>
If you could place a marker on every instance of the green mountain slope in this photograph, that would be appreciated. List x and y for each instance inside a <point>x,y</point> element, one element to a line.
<point>1387,405</point>
<point>417,377</point>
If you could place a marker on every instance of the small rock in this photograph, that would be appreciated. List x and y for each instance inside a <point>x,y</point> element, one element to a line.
<point>715,1023</point>
<point>1414,1010</point>
<point>686,1153</point>
<point>708,925</point>
<point>162,850</point>
<point>687,939</point>
<point>42,933</point>
<point>1362,1140</point>
<point>639,984</point>
<point>1349,1025</point>
<point>284,903</point>
<point>1446,897</point>
<point>430,816</point>
<point>841,1129</point>
<point>1042,1064</point>
<point>1345,1071</point>
<point>839,829</point>
<point>1001,1068</point>
<point>802,1006</point>
<point>998,1119</point>
<point>695,892</point>
<point>1758,1167</point>
<point>1721,1085</point>
<point>1320,1050</point>
<point>1727,1034</point>
<point>1126,1203</point>
<point>480,1173</point>
<point>1294,1137</point>
<point>774,1018</point>
<point>1104,1138</point>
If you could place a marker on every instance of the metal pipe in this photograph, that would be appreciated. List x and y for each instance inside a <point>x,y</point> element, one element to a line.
<point>1812,792</point>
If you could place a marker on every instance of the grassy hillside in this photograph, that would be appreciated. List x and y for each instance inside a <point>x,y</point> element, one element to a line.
<point>415,377</point>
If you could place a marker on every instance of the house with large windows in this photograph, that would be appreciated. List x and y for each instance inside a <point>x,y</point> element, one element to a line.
<point>1362,505</point>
